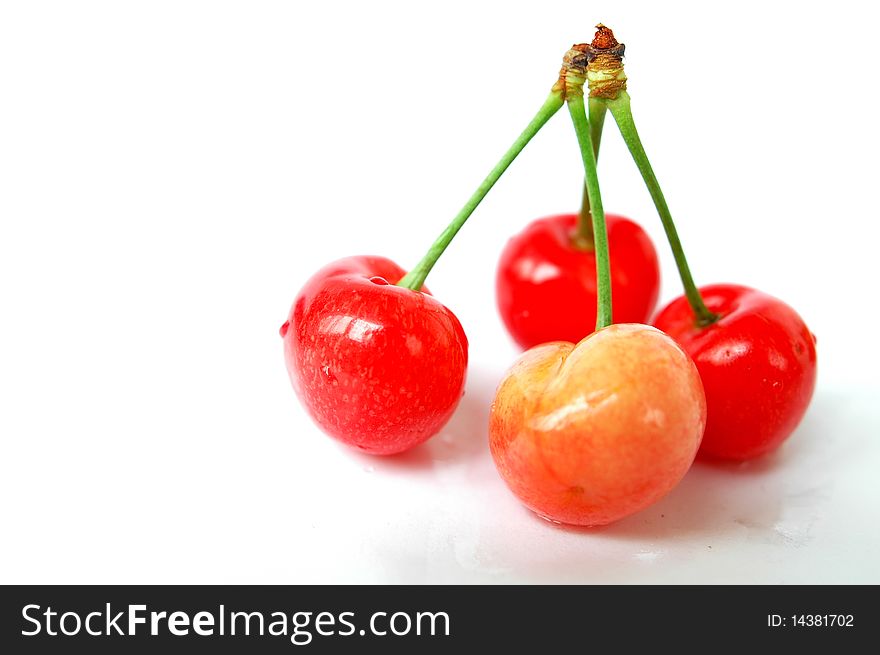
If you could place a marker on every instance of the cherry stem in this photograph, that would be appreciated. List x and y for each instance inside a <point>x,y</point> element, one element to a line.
<point>600,237</point>
<point>415,279</point>
<point>622,113</point>
<point>585,219</point>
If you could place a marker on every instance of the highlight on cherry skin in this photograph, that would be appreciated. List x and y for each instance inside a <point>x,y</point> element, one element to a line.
<point>590,433</point>
<point>757,363</point>
<point>544,270</point>
<point>377,366</point>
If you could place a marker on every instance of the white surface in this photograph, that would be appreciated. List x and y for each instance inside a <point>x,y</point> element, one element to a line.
<point>173,171</point>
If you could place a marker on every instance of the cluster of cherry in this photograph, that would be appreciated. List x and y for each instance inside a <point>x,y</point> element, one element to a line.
<point>603,414</point>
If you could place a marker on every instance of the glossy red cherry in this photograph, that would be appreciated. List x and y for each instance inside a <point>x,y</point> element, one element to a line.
<point>757,363</point>
<point>546,285</point>
<point>377,366</point>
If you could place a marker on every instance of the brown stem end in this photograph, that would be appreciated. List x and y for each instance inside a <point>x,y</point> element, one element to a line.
<point>573,73</point>
<point>604,39</point>
<point>605,75</point>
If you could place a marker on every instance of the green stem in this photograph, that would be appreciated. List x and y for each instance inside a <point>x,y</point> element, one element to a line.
<point>600,238</point>
<point>622,113</point>
<point>585,220</point>
<point>416,277</point>
<point>597,122</point>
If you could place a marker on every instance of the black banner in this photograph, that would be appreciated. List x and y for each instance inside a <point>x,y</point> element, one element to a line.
<point>279,619</point>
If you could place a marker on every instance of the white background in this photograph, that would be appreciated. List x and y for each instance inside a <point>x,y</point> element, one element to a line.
<point>172,172</point>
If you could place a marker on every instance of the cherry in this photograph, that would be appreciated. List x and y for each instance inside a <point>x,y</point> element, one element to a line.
<point>378,366</point>
<point>587,434</point>
<point>544,271</point>
<point>376,360</point>
<point>758,365</point>
<point>755,354</point>
<point>552,263</point>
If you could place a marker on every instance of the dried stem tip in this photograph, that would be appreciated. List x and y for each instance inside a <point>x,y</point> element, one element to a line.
<point>604,39</point>
<point>573,73</point>
<point>605,76</point>
<point>599,63</point>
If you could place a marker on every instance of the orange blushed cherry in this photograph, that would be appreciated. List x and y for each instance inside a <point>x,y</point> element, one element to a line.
<point>590,433</point>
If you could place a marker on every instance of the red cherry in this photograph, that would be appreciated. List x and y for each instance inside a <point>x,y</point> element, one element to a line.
<point>377,366</point>
<point>757,363</point>
<point>546,286</point>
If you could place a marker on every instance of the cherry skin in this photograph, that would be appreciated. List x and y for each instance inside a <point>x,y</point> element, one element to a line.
<point>543,276</point>
<point>757,363</point>
<point>377,366</point>
<point>590,433</point>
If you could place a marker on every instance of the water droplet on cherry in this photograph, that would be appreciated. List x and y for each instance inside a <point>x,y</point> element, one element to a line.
<point>284,329</point>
